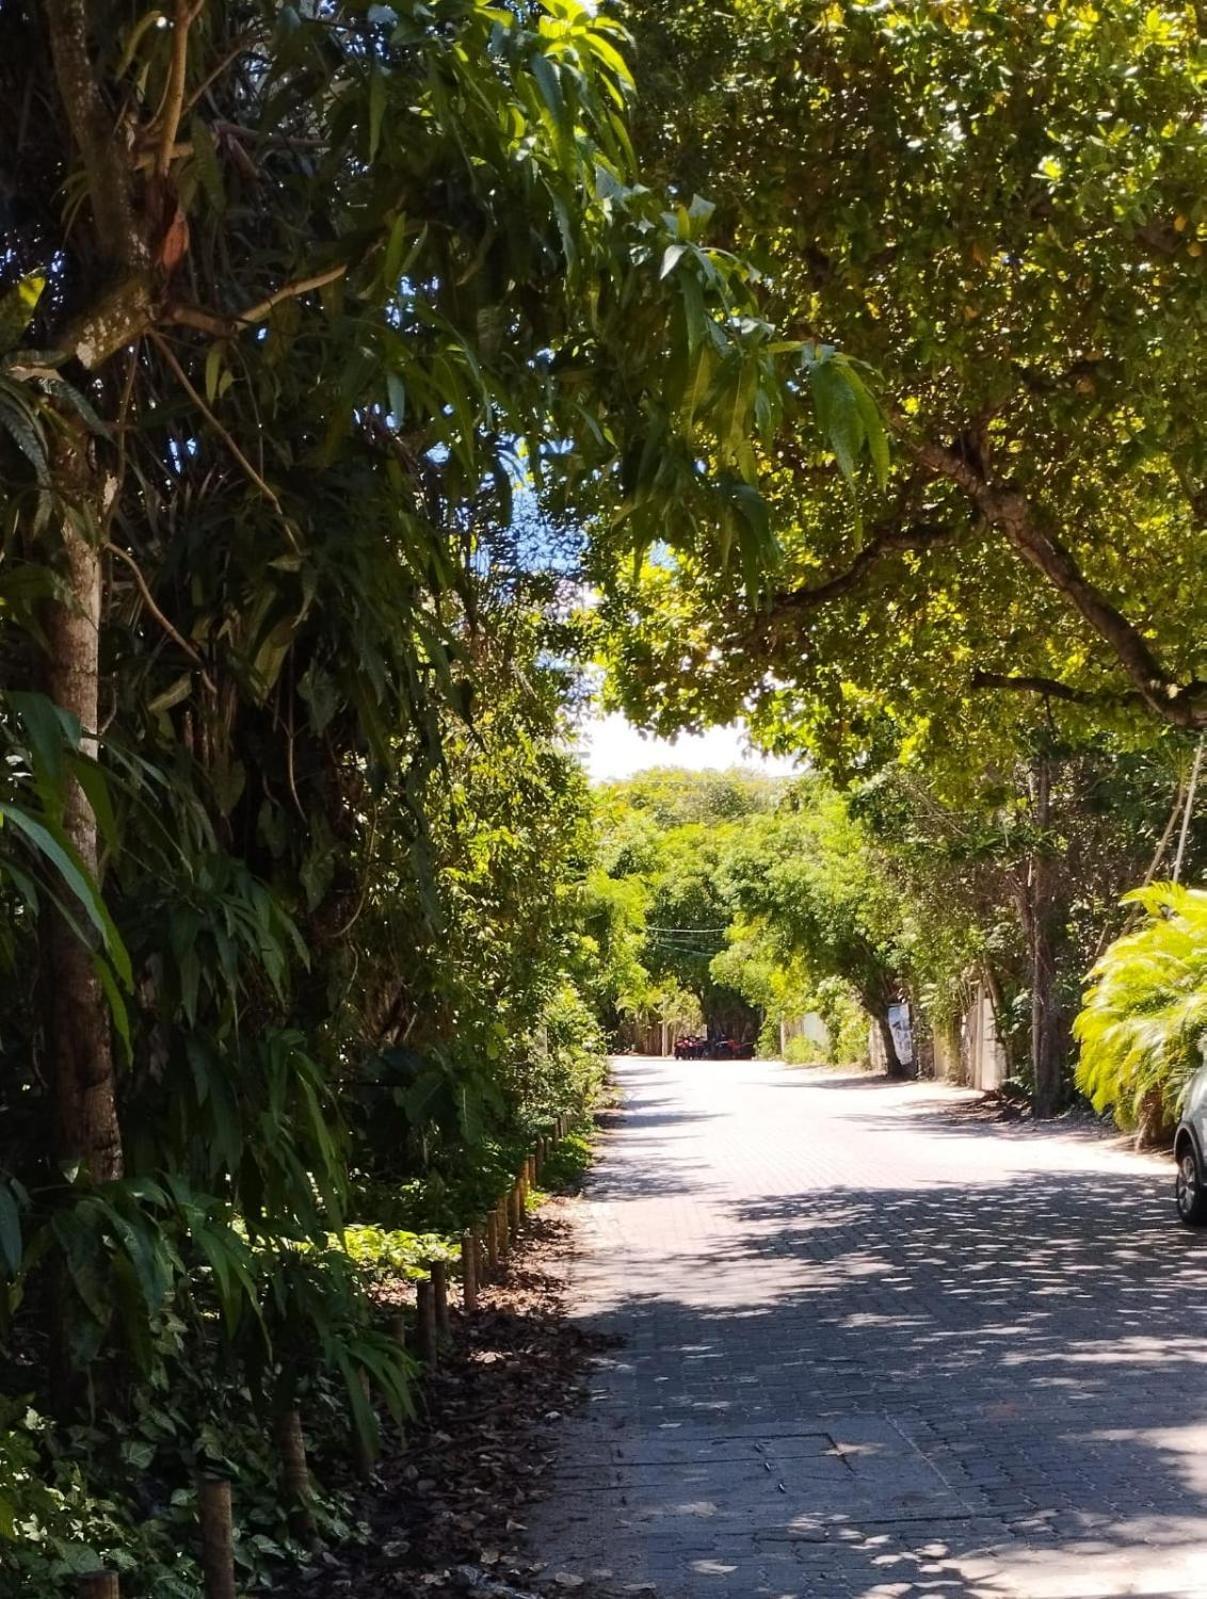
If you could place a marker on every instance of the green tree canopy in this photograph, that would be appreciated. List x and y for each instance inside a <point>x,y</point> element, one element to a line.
<point>999,208</point>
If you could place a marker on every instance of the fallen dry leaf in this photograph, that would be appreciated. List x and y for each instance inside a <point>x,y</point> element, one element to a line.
<point>441,1509</point>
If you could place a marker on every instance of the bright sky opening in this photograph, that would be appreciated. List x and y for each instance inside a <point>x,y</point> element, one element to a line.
<point>610,747</point>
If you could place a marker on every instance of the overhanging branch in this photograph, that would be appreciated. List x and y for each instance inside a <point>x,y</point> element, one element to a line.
<point>1023,525</point>
<point>1052,688</point>
<point>224,327</point>
<point>888,541</point>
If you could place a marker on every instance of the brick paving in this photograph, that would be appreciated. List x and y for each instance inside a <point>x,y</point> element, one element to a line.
<point>874,1348</point>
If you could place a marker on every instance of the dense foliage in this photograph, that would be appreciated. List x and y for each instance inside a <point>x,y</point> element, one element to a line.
<point>312,323</point>
<point>1145,1016</point>
<point>844,902</point>
<point>659,902</point>
<point>998,206</point>
<point>762,901</point>
<point>343,350</point>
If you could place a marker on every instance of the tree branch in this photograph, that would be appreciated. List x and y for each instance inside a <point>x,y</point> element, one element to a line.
<point>225,327</point>
<point>240,46</point>
<point>921,536</point>
<point>290,291</point>
<point>1052,688</point>
<point>1014,515</point>
<point>92,131</point>
<point>148,600</point>
<point>186,15</point>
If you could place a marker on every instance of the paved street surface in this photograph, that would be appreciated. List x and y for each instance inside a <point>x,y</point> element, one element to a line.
<point>874,1347</point>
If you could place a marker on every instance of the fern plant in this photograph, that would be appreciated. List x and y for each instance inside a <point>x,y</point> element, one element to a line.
<point>1145,1013</point>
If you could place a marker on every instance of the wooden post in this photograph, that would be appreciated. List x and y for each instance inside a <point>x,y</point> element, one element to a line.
<point>362,1448</point>
<point>492,1242</point>
<point>503,1214</point>
<point>217,1537</point>
<point>398,1327</point>
<point>469,1272</point>
<point>444,1326</point>
<point>98,1585</point>
<point>425,1325</point>
<point>517,1207</point>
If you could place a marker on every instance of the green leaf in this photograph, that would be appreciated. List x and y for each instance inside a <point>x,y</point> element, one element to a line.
<point>10,1231</point>
<point>874,431</point>
<point>215,358</point>
<point>205,157</point>
<point>21,424</point>
<point>838,412</point>
<point>364,1421</point>
<point>95,784</point>
<point>59,854</point>
<point>17,309</point>
<point>70,396</point>
<point>671,257</point>
<point>51,731</point>
<point>549,83</point>
<point>174,694</point>
<point>377,107</point>
<point>117,1004</point>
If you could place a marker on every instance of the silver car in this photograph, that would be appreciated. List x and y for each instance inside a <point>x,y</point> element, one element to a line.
<point>1189,1145</point>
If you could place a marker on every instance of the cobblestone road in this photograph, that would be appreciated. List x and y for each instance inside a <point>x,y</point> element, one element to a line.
<point>874,1348</point>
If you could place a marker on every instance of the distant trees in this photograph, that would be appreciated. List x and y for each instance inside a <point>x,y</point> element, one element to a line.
<point>809,880</point>
<point>666,837</point>
<point>777,900</point>
<point>998,210</point>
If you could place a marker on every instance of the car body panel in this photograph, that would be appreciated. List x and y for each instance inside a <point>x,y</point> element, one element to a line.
<point>1194,1113</point>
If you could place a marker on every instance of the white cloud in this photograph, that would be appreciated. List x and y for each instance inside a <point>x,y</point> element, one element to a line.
<point>610,747</point>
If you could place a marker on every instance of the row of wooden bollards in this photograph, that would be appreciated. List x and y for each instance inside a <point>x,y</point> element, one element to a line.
<point>485,1249</point>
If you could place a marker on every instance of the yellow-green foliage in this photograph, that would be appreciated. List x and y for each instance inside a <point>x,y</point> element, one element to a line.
<point>1146,1010</point>
<point>384,1253</point>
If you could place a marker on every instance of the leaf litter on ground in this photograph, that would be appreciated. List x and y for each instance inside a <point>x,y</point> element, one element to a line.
<point>446,1502</point>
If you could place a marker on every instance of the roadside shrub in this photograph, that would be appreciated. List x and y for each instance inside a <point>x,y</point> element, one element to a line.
<point>566,1163</point>
<point>75,1498</point>
<point>565,1066</point>
<point>1145,1013</point>
<point>848,1034</point>
<point>802,1051</point>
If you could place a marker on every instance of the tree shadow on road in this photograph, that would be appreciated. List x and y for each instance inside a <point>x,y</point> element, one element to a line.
<point>1039,1341</point>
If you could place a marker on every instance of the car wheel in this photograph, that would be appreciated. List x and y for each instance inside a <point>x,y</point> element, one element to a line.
<point>1188,1190</point>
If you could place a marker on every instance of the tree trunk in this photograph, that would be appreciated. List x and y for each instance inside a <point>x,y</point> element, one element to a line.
<point>893,1066</point>
<point>98,1585</point>
<point>295,1474</point>
<point>1154,1130</point>
<point>76,1022</point>
<point>1048,1030</point>
<point>997,1006</point>
<point>217,1538</point>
